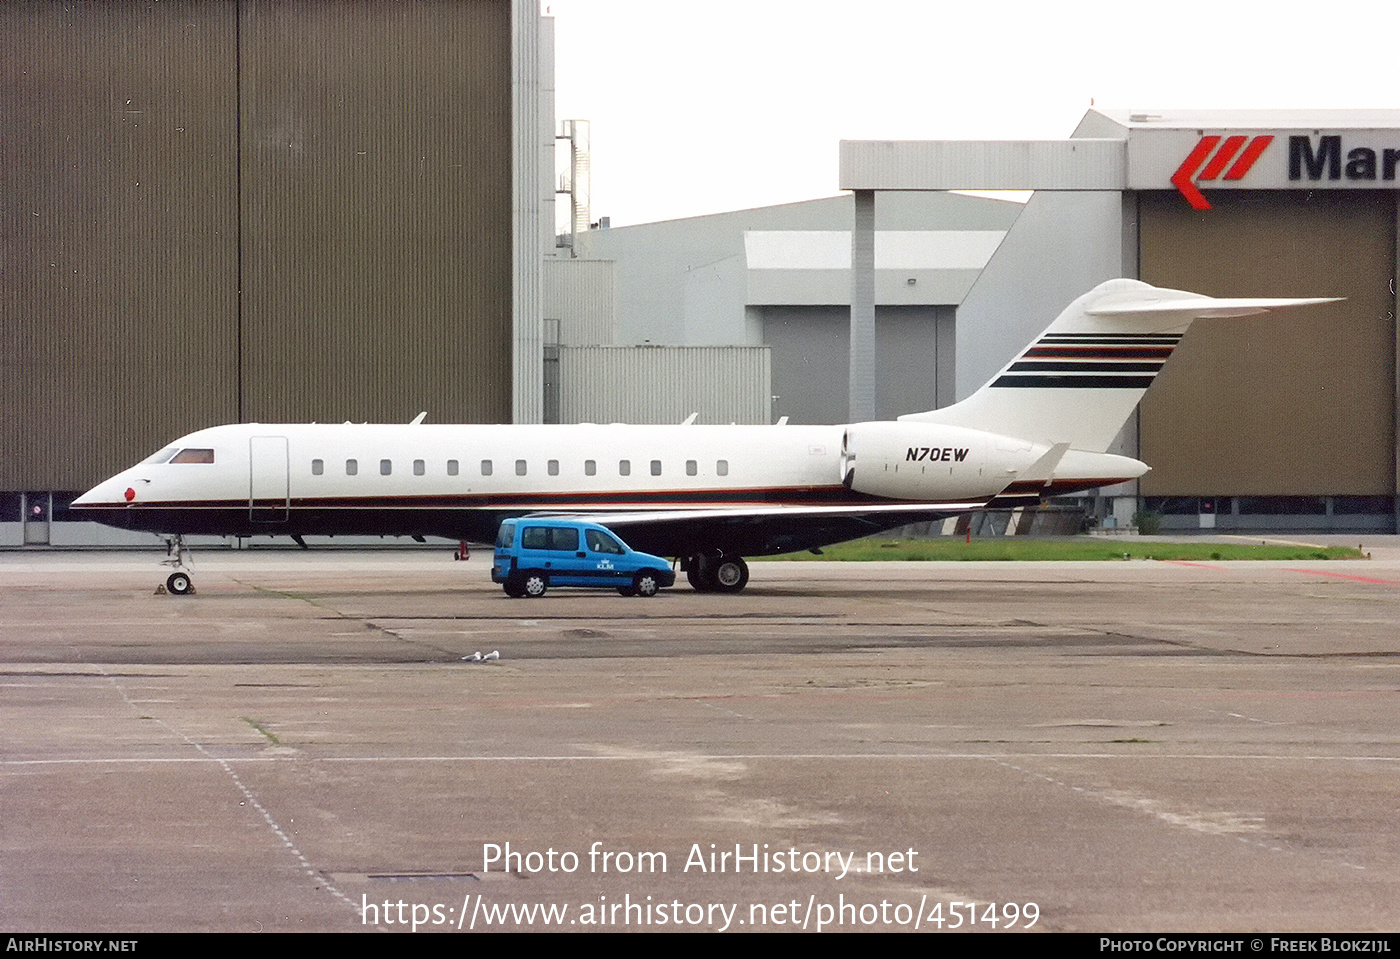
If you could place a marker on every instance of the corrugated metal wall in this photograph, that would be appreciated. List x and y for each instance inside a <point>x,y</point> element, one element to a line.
<point>1297,403</point>
<point>618,384</point>
<point>118,243</point>
<point>370,146</point>
<point>376,211</point>
<point>581,295</point>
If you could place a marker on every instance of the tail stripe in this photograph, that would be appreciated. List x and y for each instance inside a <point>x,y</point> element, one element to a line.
<point>1083,366</point>
<point>1090,361</point>
<point>1100,352</point>
<point>1103,381</point>
<point>1151,339</point>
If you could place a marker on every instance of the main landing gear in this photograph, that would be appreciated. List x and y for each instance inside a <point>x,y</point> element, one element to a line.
<point>177,557</point>
<point>707,573</point>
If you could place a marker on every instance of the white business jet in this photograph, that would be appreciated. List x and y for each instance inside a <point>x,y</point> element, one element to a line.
<point>708,495</point>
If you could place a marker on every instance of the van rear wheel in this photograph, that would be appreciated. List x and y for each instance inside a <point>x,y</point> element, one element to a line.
<point>534,584</point>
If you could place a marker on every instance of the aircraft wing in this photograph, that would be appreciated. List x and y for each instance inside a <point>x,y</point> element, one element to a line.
<point>761,530</point>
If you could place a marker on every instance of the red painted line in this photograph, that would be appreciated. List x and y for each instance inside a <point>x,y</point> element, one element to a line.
<point>1224,155</point>
<point>1181,179</point>
<point>1182,562</point>
<point>1359,579</point>
<point>1246,160</point>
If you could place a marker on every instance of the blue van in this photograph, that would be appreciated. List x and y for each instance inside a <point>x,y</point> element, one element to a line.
<point>535,554</point>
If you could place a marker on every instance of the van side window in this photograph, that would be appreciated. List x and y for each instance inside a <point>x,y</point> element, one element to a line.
<point>451,467</point>
<point>601,542</point>
<point>722,468</point>
<point>318,467</point>
<point>352,467</point>
<point>549,537</point>
<point>419,467</point>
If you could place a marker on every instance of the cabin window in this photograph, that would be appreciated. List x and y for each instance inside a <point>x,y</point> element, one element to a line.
<point>451,467</point>
<point>590,467</point>
<point>553,467</point>
<point>624,467</point>
<point>318,467</point>
<point>722,467</point>
<point>485,467</point>
<point>691,467</point>
<point>519,467</point>
<point>193,456</point>
<point>419,467</point>
<point>352,467</point>
<point>655,467</point>
<point>386,467</point>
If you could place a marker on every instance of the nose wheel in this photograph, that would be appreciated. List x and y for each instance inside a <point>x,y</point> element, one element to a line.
<point>177,557</point>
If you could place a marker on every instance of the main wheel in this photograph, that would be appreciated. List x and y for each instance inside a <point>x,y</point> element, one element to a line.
<point>535,583</point>
<point>695,576</point>
<point>700,574</point>
<point>179,584</point>
<point>646,584</point>
<point>731,574</point>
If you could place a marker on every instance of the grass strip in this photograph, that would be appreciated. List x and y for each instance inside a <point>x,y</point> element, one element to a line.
<point>1017,548</point>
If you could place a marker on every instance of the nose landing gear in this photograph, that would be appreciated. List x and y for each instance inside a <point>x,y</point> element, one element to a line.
<point>177,557</point>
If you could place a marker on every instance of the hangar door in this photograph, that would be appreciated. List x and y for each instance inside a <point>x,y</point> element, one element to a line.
<point>1298,403</point>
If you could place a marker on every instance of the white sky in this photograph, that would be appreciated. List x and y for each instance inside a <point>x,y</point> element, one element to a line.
<point>701,107</point>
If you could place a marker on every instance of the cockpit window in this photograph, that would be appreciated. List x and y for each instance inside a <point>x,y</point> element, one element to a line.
<point>160,457</point>
<point>193,456</point>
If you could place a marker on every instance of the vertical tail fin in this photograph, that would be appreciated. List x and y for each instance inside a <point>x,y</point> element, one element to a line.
<point>1081,379</point>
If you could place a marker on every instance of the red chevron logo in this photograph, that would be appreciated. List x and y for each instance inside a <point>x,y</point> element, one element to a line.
<point>1211,161</point>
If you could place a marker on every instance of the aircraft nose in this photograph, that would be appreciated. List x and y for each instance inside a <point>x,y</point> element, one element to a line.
<point>111,492</point>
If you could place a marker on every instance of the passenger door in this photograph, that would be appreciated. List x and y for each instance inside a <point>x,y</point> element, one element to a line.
<point>269,484</point>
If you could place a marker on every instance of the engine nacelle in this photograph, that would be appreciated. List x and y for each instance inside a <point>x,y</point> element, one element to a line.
<point>923,461</point>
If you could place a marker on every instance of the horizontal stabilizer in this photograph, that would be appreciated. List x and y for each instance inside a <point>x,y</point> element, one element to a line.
<point>1199,306</point>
